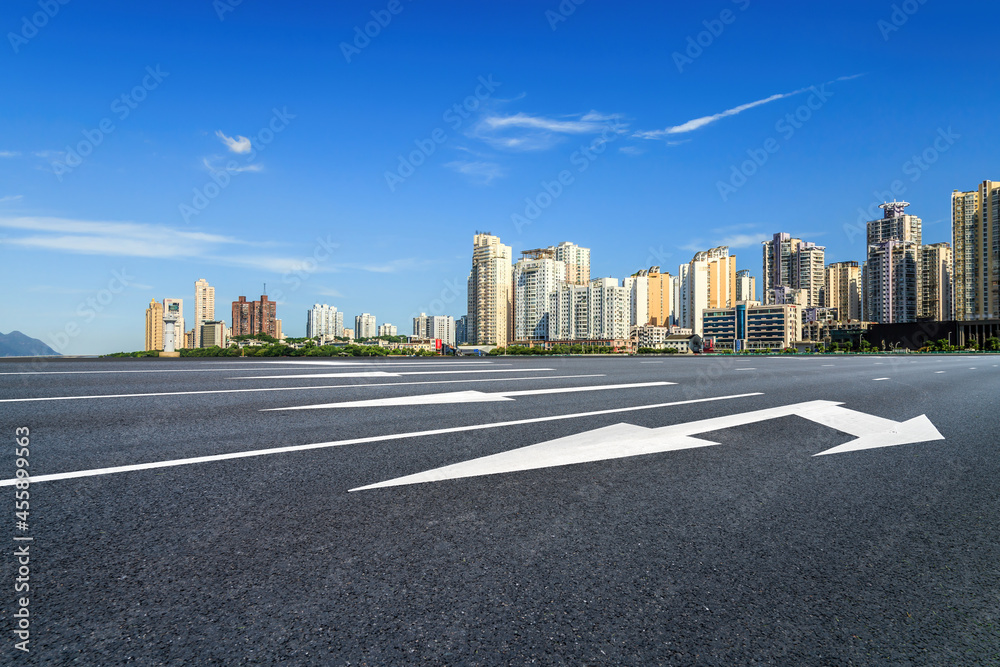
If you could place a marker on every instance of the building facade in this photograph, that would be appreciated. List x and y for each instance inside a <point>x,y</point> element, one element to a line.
<point>842,290</point>
<point>975,235</point>
<point>387,330</point>
<point>892,272</point>
<point>204,307</point>
<point>177,305</point>
<point>254,317</point>
<point>214,334</point>
<point>746,286</point>
<point>324,321</point>
<point>936,283</point>
<point>490,295</point>
<point>434,327</point>
<point>365,326</point>
<point>537,275</point>
<point>751,326</point>
<point>793,263</point>
<point>660,302</point>
<point>154,326</point>
<point>707,281</point>
<point>576,261</point>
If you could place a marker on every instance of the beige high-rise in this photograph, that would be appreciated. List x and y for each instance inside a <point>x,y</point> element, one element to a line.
<point>842,290</point>
<point>975,234</point>
<point>660,288</point>
<point>154,326</point>
<point>204,307</point>
<point>935,282</point>
<point>793,263</point>
<point>577,261</point>
<point>491,309</point>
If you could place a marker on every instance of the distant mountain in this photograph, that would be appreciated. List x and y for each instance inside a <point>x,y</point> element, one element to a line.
<point>16,344</point>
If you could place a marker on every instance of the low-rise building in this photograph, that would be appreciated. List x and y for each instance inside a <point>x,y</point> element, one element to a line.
<point>751,326</point>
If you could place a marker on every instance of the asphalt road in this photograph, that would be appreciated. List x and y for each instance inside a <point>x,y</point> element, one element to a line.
<point>752,551</point>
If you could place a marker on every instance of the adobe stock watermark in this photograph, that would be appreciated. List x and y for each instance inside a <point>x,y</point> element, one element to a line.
<point>454,116</point>
<point>31,25</point>
<point>696,44</point>
<point>550,191</point>
<point>122,107</point>
<point>363,36</point>
<point>223,178</point>
<point>786,126</point>
<point>901,13</point>
<point>565,9</point>
<point>223,7</point>
<point>915,168</point>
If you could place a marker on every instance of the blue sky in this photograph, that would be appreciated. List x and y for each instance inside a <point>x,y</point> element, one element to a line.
<point>119,122</point>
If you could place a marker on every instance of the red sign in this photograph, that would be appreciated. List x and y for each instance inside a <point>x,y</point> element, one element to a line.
<point>437,343</point>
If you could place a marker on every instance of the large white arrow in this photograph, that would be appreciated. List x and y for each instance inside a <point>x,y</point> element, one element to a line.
<point>624,440</point>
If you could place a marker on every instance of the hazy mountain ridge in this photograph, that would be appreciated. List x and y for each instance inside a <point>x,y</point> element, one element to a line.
<point>16,344</point>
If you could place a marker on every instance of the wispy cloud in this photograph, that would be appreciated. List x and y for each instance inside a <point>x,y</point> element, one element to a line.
<point>237,144</point>
<point>525,132</point>
<point>131,239</point>
<point>210,163</point>
<point>10,198</point>
<point>328,291</point>
<point>631,150</point>
<point>479,172</point>
<point>10,154</point>
<point>702,121</point>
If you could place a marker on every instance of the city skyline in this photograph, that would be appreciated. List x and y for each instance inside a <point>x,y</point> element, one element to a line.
<point>644,157</point>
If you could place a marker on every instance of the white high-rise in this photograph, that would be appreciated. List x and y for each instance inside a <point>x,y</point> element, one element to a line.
<point>638,290</point>
<point>707,281</point>
<point>576,260</point>
<point>364,326</point>
<point>537,275</point>
<point>324,321</point>
<point>441,327</point>
<point>610,309</point>
<point>204,307</point>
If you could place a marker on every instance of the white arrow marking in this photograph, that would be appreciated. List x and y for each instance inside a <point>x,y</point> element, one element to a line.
<point>356,441</point>
<point>465,397</point>
<point>390,373</point>
<point>624,440</point>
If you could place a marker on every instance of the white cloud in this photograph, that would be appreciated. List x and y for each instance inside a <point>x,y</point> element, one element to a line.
<point>236,144</point>
<point>130,239</point>
<point>732,241</point>
<point>10,198</point>
<point>698,123</point>
<point>10,154</point>
<point>210,164</point>
<point>524,132</point>
<point>329,291</point>
<point>482,173</point>
<point>631,150</point>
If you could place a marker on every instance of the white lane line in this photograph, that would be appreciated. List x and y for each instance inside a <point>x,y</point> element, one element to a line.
<point>356,441</point>
<point>877,379</point>
<point>746,369</point>
<point>233,369</point>
<point>973,368</point>
<point>650,362</point>
<point>299,376</point>
<point>466,397</point>
<point>828,365</point>
<point>328,386</point>
<point>938,372</point>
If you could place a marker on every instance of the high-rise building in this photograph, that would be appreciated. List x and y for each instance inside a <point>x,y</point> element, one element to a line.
<point>794,263</point>
<point>576,260</point>
<point>707,281</point>
<point>434,327</point>
<point>364,326</point>
<point>842,290</point>
<point>660,297</point>
<point>204,307</point>
<point>179,324</point>
<point>638,296</point>
<point>609,309</point>
<point>536,275</point>
<point>387,329</point>
<point>892,272</point>
<point>154,326</point>
<point>936,283</point>
<point>975,235</point>
<point>491,309</point>
<point>461,330</point>
<point>254,317</point>
<point>569,313</point>
<point>746,286</point>
<point>324,320</point>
